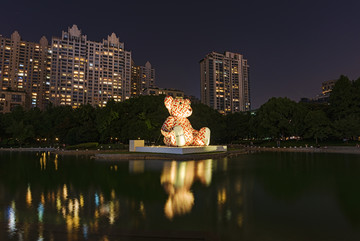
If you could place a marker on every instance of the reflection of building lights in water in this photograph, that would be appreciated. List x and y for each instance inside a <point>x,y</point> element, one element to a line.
<point>28,196</point>
<point>76,210</point>
<point>69,223</point>
<point>41,233</point>
<point>142,209</point>
<point>40,212</point>
<point>111,213</point>
<point>43,161</point>
<point>11,218</point>
<point>101,198</point>
<point>76,222</point>
<point>97,200</point>
<point>42,198</point>
<point>136,166</point>
<point>96,214</point>
<point>58,204</point>
<point>85,231</point>
<point>225,164</point>
<point>72,217</point>
<point>76,207</point>
<point>65,192</point>
<point>56,162</point>
<point>70,206</point>
<point>221,196</point>
<point>115,168</point>
<point>81,200</point>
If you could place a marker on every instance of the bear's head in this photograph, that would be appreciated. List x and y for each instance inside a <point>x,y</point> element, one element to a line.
<point>178,107</point>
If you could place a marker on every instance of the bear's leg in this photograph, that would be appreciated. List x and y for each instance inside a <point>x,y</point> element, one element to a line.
<point>202,138</point>
<point>167,141</point>
<point>170,141</point>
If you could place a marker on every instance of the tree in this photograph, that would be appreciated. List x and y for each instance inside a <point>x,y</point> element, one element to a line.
<point>348,127</point>
<point>345,107</point>
<point>279,117</point>
<point>341,99</point>
<point>317,125</point>
<point>105,119</point>
<point>237,126</point>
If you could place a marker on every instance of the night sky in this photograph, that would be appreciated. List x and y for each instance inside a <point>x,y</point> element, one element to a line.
<point>291,46</point>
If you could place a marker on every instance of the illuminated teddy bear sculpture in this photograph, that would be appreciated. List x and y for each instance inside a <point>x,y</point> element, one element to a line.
<point>177,129</point>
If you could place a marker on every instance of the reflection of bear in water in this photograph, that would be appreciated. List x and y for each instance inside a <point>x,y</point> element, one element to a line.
<point>177,179</point>
<point>177,130</point>
<point>179,202</point>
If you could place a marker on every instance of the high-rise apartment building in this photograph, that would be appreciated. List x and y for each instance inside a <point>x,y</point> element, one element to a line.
<point>24,67</point>
<point>327,86</point>
<point>135,79</point>
<point>225,84</point>
<point>143,78</point>
<point>147,75</point>
<point>84,71</point>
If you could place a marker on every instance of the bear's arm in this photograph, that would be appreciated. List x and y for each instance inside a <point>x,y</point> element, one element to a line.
<point>168,126</point>
<point>194,132</point>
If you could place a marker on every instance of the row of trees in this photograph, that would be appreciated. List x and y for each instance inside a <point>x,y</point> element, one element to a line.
<point>338,119</point>
<point>142,117</point>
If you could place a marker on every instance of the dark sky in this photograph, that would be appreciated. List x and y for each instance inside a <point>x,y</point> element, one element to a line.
<point>291,46</point>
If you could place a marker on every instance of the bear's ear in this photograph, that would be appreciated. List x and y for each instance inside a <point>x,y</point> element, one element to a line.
<point>187,101</point>
<point>168,102</point>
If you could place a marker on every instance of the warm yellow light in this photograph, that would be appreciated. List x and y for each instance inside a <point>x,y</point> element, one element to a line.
<point>28,196</point>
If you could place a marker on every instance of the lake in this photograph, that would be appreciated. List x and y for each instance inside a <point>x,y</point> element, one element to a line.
<point>260,196</point>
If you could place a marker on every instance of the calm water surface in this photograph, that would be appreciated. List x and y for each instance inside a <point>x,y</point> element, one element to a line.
<point>262,196</point>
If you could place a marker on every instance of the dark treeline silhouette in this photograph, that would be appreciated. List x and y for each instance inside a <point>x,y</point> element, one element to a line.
<point>143,116</point>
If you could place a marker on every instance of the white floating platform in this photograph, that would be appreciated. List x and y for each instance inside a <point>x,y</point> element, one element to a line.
<point>180,150</point>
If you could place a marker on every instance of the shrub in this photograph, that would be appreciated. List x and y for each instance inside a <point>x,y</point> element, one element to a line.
<point>83,146</point>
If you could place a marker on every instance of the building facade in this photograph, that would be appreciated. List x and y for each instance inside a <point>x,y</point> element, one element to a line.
<point>135,79</point>
<point>322,98</point>
<point>159,91</point>
<point>10,99</point>
<point>88,72</point>
<point>225,84</point>
<point>142,78</point>
<point>25,67</point>
<point>147,75</point>
<point>327,86</point>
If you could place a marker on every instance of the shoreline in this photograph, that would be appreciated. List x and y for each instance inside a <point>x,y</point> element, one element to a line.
<point>326,149</point>
<point>111,155</point>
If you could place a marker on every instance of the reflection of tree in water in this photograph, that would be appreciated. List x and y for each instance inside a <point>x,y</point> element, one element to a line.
<point>348,190</point>
<point>287,176</point>
<point>177,179</point>
<point>293,175</point>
